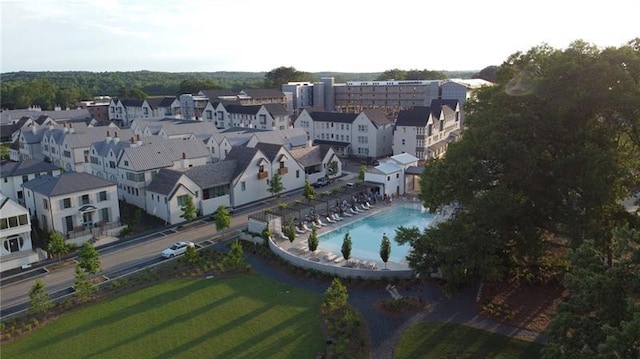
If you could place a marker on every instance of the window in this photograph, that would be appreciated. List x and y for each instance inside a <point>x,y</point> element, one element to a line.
<point>45,203</point>
<point>66,153</point>
<point>104,214</point>
<point>363,139</point>
<point>263,119</point>
<point>441,125</point>
<point>215,192</point>
<point>135,177</point>
<point>208,114</point>
<point>182,199</point>
<point>388,178</point>
<point>403,141</point>
<point>102,196</point>
<point>19,193</point>
<point>84,199</point>
<point>397,175</point>
<point>25,178</point>
<point>94,160</point>
<point>66,203</point>
<point>126,163</point>
<point>429,130</point>
<point>297,173</point>
<point>243,186</point>
<point>112,164</point>
<point>261,168</point>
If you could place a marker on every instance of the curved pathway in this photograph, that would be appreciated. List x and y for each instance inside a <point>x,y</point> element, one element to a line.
<point>385,331</point>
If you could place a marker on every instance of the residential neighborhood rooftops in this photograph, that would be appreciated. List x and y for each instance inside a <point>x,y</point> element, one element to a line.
<point>24,167</point>
<point>334,117</point>
<point>66,183</point>
<point>164,153</point>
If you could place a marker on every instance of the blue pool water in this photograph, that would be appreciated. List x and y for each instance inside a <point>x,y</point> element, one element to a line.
<point>366,233</point>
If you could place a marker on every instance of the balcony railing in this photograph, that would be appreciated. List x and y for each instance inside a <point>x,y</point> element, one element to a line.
<point>263,175</point>
<point>283,171</point>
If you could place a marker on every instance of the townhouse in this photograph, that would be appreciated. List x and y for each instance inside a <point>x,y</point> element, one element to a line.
<point>164,106</point>
<point>14,174</point>
<point>16,249</point>
<point>72,203</point>
<point>318,161</point>
<point>266,117</point>
<point>124,111</point>
<point>138,165</point>
<point>368,134</point>
<point>208,185</point>
<point>426,132</point>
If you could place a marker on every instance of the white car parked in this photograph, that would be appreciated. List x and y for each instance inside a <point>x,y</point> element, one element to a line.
<point>177,249</point>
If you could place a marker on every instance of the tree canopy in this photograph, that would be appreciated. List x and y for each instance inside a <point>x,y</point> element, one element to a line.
<point>281,75</point>
<point>89,258</point>
<point>413,74</point>
<point>549,151</point>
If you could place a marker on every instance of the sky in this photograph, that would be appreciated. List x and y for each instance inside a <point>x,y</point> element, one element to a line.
<point>312,36</point>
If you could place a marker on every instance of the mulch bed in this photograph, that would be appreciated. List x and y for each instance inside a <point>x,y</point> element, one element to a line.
<point>527,306</point>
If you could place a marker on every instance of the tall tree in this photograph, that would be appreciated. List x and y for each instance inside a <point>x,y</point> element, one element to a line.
<point>336,297</point>
<point>222,218</point>
<point>393,74</point>
<point>308,191</point>
<point>275,185</point>
<point>89,258</point>
<point>385,249</point>
<point>361,173</point>
<point>537,157</point>
<point>601,317</point>
<point>193,86</point>
<point>281,75</point>
<point>57,246</point>
<point>290,231</point>
<point>39,301</point>
<point>346,247</point>
<point>188,208</point>
<point>83,289</point>
<point>312,241</point>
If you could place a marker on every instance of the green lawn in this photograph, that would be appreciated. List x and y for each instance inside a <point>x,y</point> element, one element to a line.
<point>243,317</point>
<point>446,340</point>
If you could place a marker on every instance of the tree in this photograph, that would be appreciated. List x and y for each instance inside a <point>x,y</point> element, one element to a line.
<point>39,301</point>
<point>266,233</point>
<point>308,191</point>
<point>488,73</point>
<point>89,258</point>
<point>282,75</point>
<point>332,169</point>
<point>536,158</point>
<point>222,218</point>
<point>312,241</point>
<point>275,185</point>
<point>192,256</point>
<point>601,317</point>
<point>346,246</point>
<point>290,231</point>
<point>385,249</point>
<point>189,210</point>
<point>336,297</point>
<point>83,289</point>
<point>235,256</point>
<point>57,246</point>
<point>393,74</point>
<point>361,172</point>
<point>193,86</point>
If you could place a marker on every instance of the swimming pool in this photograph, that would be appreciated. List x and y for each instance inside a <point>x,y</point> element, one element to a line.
<point>366,233</point>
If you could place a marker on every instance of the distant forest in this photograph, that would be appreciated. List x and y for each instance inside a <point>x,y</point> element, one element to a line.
<point>65,88</point>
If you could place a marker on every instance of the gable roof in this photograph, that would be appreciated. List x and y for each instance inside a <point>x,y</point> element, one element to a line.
<point>66,183</point>
<point>270,150</point>
<point>156,102</point>
<point>131,102</point>
<point>386,168</point>
<point>244,110</point>
<point>276,109</point>
<point>164,181</point>
<point>28,166</point>
<point>290,137</point>
<point>376,116</point>
<point>212,174</point>
<point>404,158</point>
<point>214,94</point>
<point>415,117</point>
<point>163,153</point>
<point>242,156</point>
<point>308,156</point>
<point>333,117</point>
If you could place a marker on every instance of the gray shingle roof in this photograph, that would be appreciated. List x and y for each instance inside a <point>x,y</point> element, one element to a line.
<point>212,174</point>
<point>131,102</point>
<point>27,166</point>
<point>416,117</point>
<point>270,150</point>
<point>376,116</point>
<point>276,109</point>
<point>164,181</point>
<point>242,156</point>
<point>290,137</point>
<point>66,183</point>
<point>308,156</point>
<point>164,153</point>
<point>244,110</point>
<point>333,117</point>
<point>156,102</point>
<point>263,93</point>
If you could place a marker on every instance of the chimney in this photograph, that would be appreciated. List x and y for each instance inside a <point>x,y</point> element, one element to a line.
<point>108,138</point>
<point>138,140</point>
<point>65,129</point>
<point>184,156</point>
<point>309,142</point>
<point>116,139</point>
<point>184,160</point>
<point>71,130</point>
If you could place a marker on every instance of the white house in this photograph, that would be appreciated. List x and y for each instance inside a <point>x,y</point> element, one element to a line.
<point>138,165</point>
<point>282,162</point>
<point>389,176</point>
<point>73,203</point>
<point>368,134</point>
<point>15,235</point>
<point>409,164</point>
<point>14,174</point>
<point>208,186</point>
<point>164,106</point>
<point>251,176</point>
<point>266,117</point>
<point>426,132</point>
<point>124,111</point>
<point>318,162</point>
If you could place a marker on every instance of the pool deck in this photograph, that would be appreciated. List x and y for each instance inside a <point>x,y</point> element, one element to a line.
<point>299,246</point>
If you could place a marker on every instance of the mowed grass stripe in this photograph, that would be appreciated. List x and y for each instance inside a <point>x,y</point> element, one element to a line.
<point>448,340</point>
<point>244,317</point>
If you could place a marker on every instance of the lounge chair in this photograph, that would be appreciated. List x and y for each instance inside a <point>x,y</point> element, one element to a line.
<point>337,216</point>
<point>352,211</point>
<point>363,207</point>
<point>299,230</point>
<point>330,220</point>
<point>338,260</point>
<point>369,204</point>
<point>306,228</point>
<point>346,213</point>
<point>329,257</point>
<point>321,223</point>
